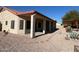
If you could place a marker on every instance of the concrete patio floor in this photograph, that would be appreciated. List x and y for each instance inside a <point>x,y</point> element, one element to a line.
<point>52,42</point>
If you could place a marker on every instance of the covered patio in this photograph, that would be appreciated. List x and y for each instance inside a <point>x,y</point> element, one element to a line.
<point>37,23</point>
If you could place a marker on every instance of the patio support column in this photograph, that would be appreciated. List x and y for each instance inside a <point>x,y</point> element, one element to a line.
<point>32,30</point>
<point>50,26</point>
<point>24,27</point>
<point>44,26</point>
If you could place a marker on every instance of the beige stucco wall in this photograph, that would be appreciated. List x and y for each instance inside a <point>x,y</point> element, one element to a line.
<point>21,31</point>
<point>8,16</point>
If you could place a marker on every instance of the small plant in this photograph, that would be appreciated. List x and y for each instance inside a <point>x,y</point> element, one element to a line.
<point>68,29</point>
<point>73,35</point>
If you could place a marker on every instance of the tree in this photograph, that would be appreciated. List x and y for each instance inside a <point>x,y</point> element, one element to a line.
<point>71,15</point>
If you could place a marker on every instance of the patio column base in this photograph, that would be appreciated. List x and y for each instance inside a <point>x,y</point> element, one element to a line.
<point>44,26</point>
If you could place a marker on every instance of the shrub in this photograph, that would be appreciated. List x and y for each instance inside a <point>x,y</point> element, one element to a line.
<point>68,29</point>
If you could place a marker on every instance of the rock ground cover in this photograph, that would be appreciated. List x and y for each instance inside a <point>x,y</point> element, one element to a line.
<point>52,42</point>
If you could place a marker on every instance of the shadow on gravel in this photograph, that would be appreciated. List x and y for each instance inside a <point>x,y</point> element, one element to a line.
<point>48,32</point>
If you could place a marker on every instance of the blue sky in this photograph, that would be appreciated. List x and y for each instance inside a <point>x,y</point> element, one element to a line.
<point>54,12</point>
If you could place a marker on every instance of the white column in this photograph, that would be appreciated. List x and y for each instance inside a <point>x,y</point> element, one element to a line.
<point>44,26</point>
<point>32,30</point>
<point>24,26</point>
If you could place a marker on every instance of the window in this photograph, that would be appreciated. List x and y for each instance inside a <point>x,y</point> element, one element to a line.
<point>21,24</point>
<point>12,24</point>
<point>28,24</point>
<point>6,22</point>
<point>39,25</point>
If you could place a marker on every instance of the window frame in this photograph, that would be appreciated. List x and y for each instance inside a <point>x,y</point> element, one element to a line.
<point>28,24</point>
<point>6,22</point>
<point>12,24</point>
<point>21,24</point>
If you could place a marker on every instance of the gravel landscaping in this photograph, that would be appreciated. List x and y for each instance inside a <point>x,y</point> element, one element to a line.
<point>51,42</point>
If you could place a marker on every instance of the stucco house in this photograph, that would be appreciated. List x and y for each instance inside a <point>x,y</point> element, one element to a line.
<point>25,22</point>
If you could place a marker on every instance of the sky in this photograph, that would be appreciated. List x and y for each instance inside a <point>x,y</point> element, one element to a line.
<point>53,12</point>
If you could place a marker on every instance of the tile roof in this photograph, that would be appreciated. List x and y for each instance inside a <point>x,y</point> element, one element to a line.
<point>16,12</point>
<point>22,13</point>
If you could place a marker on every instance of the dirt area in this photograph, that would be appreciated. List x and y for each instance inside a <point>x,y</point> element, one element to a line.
<point>52,42</point>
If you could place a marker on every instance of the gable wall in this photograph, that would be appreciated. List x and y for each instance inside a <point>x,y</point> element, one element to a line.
<point>8,16</point>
